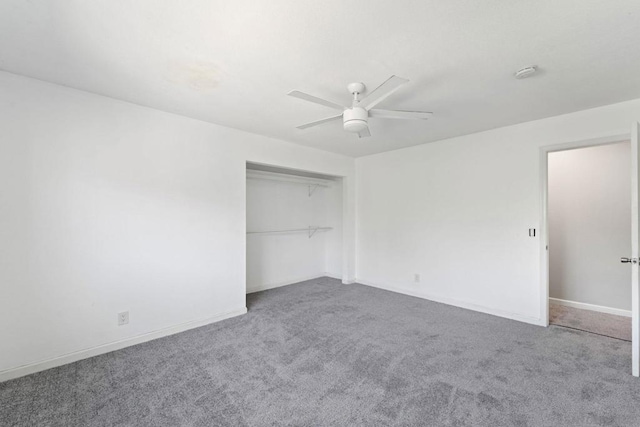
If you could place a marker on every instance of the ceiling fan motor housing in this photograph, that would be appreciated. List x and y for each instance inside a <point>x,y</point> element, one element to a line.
<point>355,119</point>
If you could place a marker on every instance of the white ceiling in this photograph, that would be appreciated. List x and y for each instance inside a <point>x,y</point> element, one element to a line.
<point>232,62</point>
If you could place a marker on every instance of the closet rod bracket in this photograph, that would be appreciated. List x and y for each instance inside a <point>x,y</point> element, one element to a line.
<point>313,188</point>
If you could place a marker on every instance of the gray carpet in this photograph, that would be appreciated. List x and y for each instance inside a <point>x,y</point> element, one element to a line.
<point>595,322</point>
<point>323,354</point>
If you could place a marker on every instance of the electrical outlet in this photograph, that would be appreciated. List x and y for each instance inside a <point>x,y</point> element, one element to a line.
<point>416,278</point>
<point>123,318</point>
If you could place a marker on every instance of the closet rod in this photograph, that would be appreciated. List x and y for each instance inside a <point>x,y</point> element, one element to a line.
<point>291,179</point>
<point>310,230</point>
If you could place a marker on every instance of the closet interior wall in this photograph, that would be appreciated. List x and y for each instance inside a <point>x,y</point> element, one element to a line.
<point>294,229</point>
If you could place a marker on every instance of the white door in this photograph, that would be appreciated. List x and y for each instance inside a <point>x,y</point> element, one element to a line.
<point>635,251</point>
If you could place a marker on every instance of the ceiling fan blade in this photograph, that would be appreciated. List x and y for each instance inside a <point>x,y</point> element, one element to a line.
<point>381,92</point>
<point>398,114</point>
<point>364,133</point>
<point>319,122</point>
<point>315,99</point>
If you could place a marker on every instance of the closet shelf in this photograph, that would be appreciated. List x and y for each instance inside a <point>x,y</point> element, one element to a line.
<point>310,230</point>
<point>311,183</point>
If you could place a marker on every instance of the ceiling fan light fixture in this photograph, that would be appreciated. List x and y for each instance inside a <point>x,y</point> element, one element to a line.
<point>355,126</point>
<point>355,119</point>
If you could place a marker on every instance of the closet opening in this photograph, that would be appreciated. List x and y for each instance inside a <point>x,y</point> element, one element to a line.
<point>589,229</point>
<point>294,222</point>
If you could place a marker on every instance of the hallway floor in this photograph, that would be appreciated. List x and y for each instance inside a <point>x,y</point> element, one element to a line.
<point>595,322</point>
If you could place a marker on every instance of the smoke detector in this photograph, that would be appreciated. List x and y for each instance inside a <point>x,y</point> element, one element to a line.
<point>525,72</point>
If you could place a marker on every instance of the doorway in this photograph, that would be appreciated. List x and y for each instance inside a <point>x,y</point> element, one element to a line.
<point>589,228</point>
<point>293,227</point>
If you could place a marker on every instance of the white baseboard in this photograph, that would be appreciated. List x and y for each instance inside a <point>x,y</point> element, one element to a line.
<point>259,288</point>
<point>592,307</point>
<point>31,368</point>
<point>350,281</point>
<point>457,303</point>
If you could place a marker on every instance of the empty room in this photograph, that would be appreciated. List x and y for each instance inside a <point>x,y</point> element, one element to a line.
<point>305,213</point>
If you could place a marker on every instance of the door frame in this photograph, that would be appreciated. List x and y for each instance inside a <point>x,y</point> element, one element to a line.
<point>544,189</point>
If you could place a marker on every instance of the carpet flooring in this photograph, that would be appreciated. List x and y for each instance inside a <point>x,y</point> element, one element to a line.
<point>320,353</point>
<point>595,322</point>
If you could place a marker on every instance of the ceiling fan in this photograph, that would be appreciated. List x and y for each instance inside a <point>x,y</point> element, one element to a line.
<point>356,118</point>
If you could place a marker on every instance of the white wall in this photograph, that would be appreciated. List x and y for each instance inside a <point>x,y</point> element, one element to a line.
<point>458,211</point>
<point>280,259</point>
<point>333,209</point>
<point>589,214</point>
<point>107,206</point>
